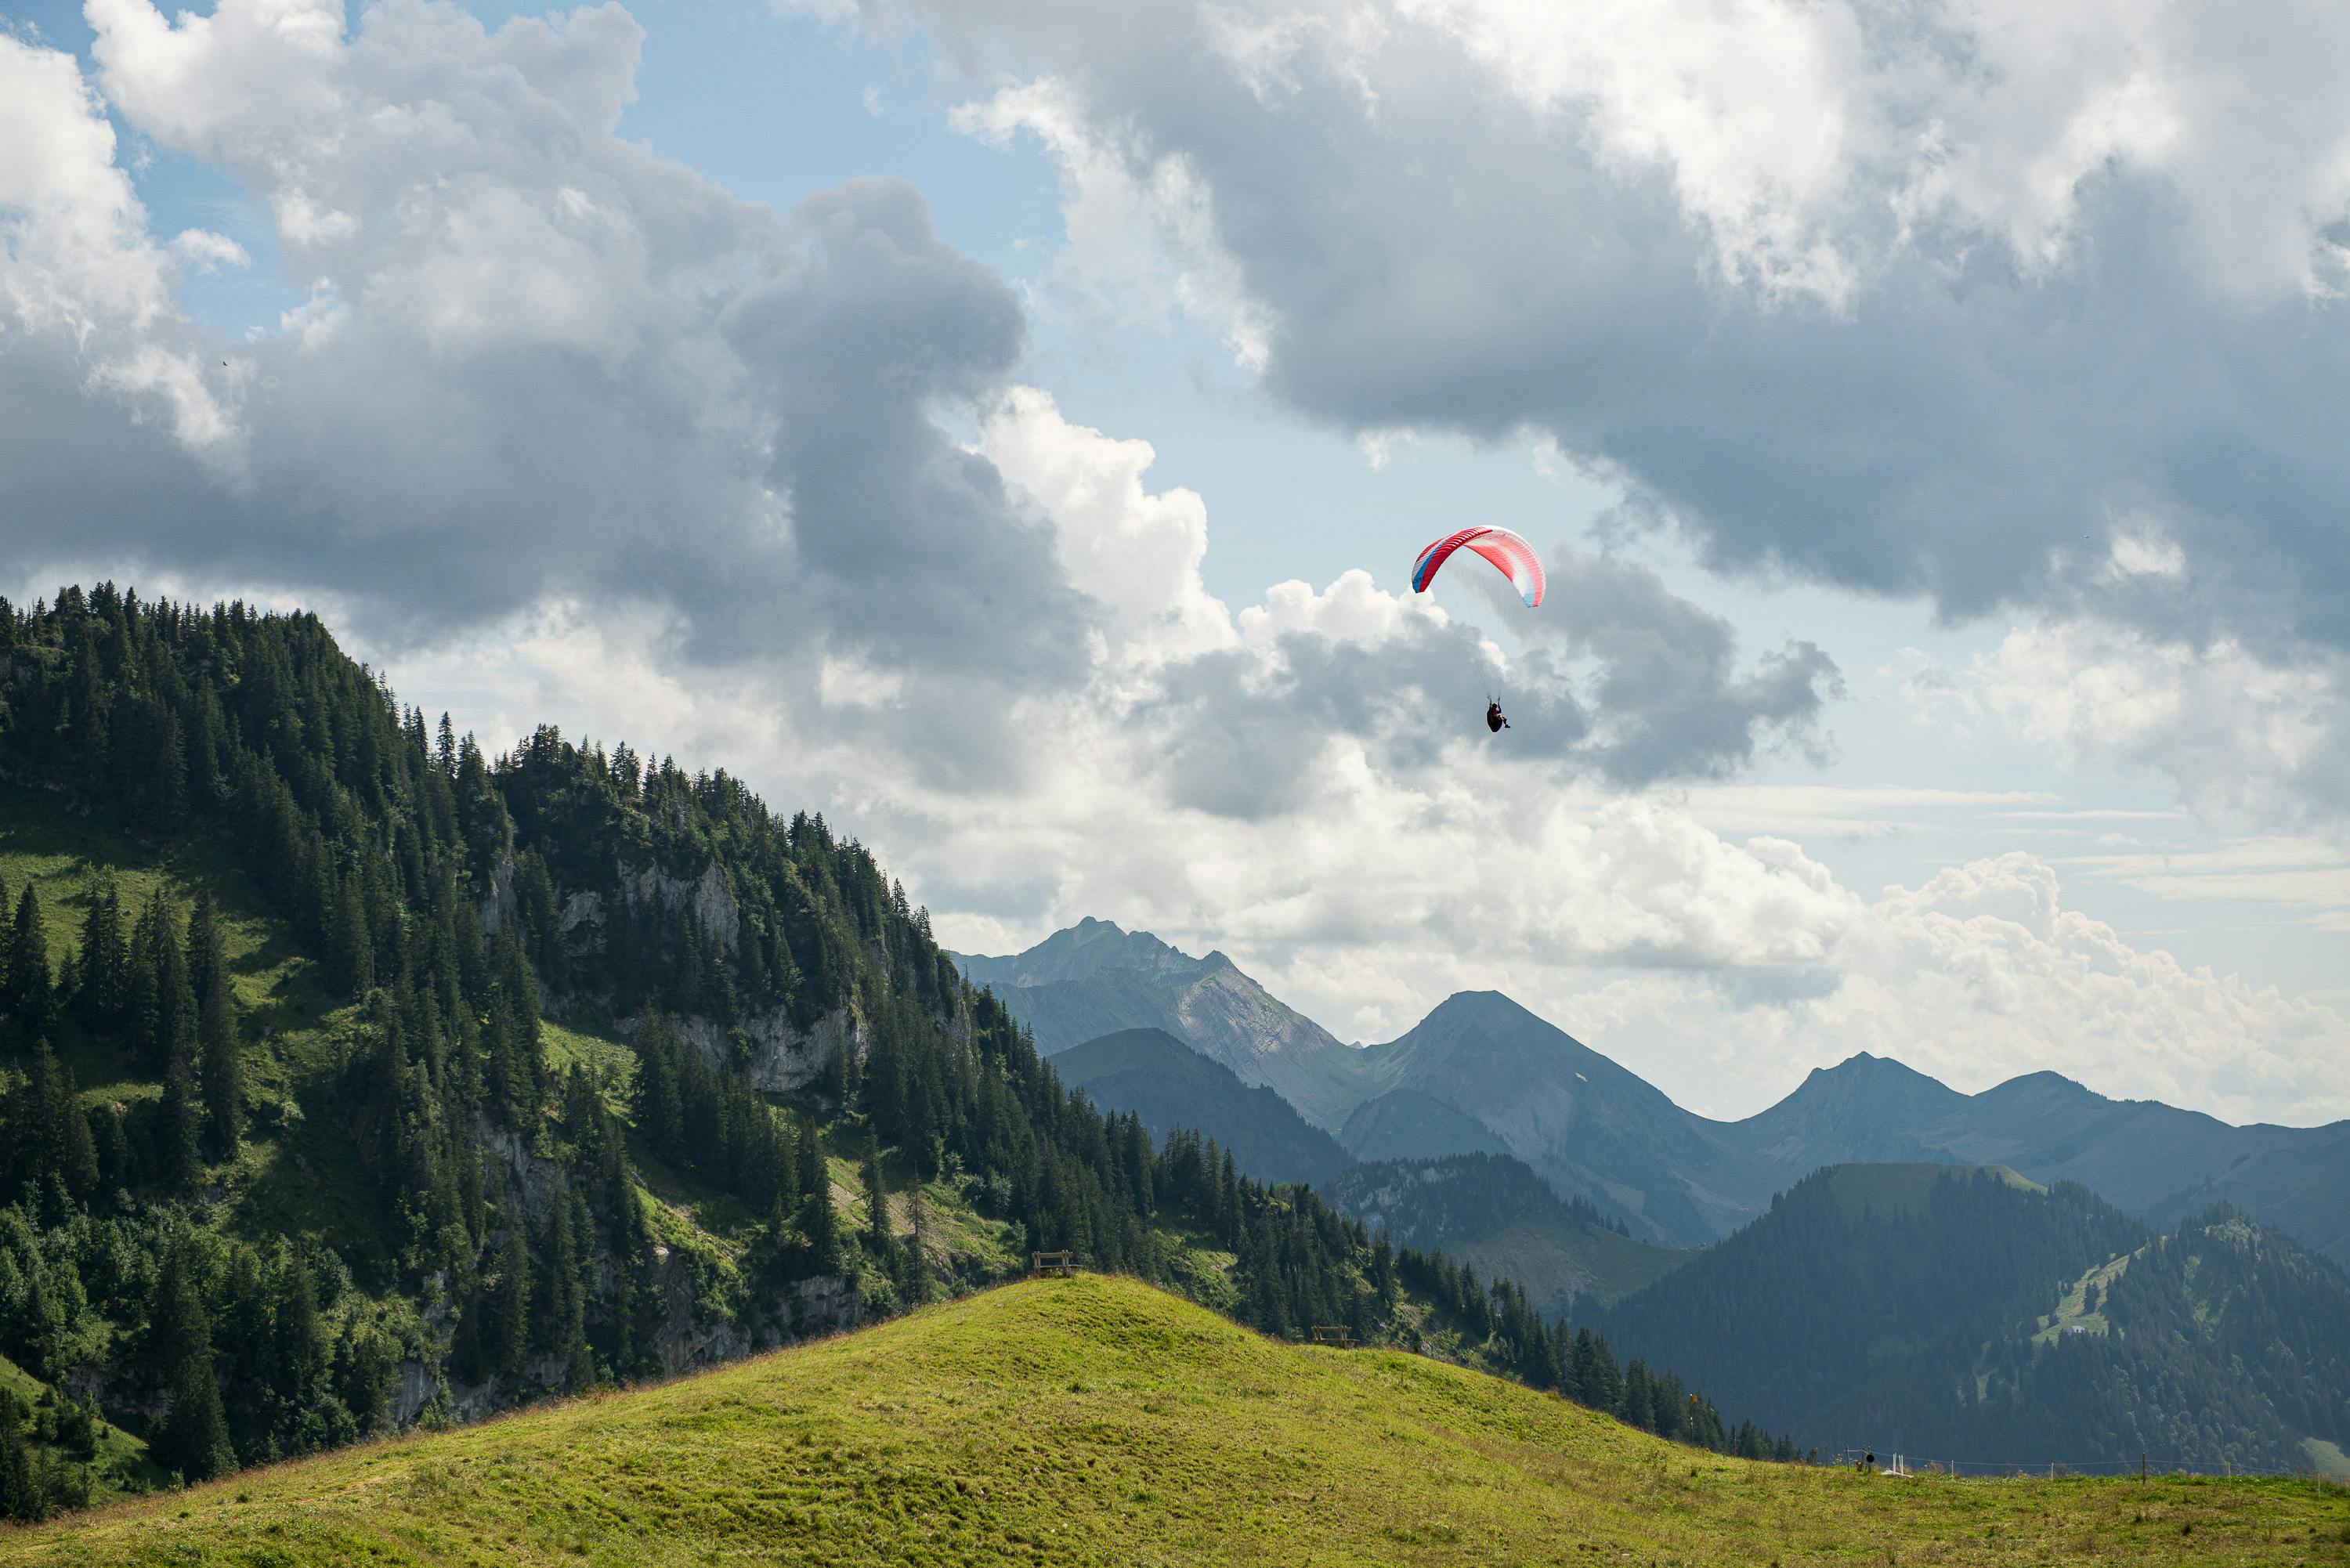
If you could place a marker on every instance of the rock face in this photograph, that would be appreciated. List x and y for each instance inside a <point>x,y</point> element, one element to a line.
<point>783,1060</point>
<point>1094,979</point>
<point>706,898</point>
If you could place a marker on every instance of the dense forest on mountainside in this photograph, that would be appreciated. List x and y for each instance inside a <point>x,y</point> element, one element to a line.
<point>353,1076</point>
<point>1170,1085</point>
<point>1492,1211</point>
<point>1973,1316</point>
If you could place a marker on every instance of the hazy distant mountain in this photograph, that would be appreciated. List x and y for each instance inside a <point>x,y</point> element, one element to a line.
<point>1170,1086</point>
<point>1581,1122</point>
<point>1493,1212</point>
<point>2150,1159</point>
<point>1949,1313</point>
<point>1094,979</point>
<point>1406,1124</point>
<point>1481,1075</point>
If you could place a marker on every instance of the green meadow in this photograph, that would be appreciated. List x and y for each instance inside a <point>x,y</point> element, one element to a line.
<point>1097,1421</point>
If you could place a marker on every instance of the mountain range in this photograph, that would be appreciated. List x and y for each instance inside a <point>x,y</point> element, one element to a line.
<point>1970,1315</point>
<point>1482,1074</point>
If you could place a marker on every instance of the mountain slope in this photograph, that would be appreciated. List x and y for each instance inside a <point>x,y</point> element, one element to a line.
<point>1095,1421</point>
<point>2150,1159</point>
<point>1493,1212</point>
<point>1969,1314</point>
<point>1481,1074</point>
<point>340,1171</point>
<point>1094,979</point>
<point>1581,1122</point>
<point>1170,1085</point>
<point>1408,1123</point>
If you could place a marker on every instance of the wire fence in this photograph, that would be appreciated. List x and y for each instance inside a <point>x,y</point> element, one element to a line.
<point>2145,1466</point>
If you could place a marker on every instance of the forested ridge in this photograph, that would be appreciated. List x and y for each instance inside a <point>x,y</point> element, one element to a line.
<point>1975,1318</point>
<point>409,1082</point>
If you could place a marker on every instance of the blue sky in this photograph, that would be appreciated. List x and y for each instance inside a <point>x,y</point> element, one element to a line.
<point>2061,802</point>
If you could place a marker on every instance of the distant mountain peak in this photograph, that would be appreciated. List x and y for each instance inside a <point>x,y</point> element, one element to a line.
<point>1090,946</point>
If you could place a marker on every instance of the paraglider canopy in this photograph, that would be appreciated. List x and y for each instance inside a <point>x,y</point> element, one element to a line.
<point>1512,554</point>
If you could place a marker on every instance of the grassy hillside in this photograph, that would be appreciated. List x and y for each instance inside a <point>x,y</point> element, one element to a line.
<point>1098,1421</point>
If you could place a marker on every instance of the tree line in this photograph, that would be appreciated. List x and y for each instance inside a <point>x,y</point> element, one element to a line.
<point>444,901</point>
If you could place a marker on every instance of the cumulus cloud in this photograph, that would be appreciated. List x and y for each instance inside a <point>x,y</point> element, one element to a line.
<point>2247,740</point>
<point>1364,879</point>
<point>1979,974</point>
<point>1918,300</point>
<point>1670,674</point>
<point>537,363</point>
<point>562,430</point>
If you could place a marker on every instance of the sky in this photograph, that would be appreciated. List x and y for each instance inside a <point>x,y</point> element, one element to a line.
<point>1008,426</point>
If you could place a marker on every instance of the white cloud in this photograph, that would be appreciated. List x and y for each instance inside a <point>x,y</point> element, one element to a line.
<point>2143,552</point>
<point>207,251</point>
<point>1912,299</point>
<point>1135,552</point>
<point>1979,975</point>
<point>80,279</point>
<point>1140,231</point>
<point>1722,969</point>
<point>2245,740</point>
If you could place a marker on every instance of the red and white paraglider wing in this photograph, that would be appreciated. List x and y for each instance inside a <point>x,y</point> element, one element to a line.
<point>1508,551</point>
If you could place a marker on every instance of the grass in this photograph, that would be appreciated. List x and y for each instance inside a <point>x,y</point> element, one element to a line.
<point>1098,1421</point>
<point>118,1469</point>
<point>2069,1314</point>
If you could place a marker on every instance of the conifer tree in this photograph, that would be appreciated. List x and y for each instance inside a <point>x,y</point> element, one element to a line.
<point>878,1238</point>
<point>192,1437</point>
<point>220,1068</point>
<point>561,1299</point>
<point>28,974</point>
<point>207,948</point>
<point>179,1158</point>
<point>350,951</point>
<point>102,986</point>
<point>20,1492</point>
<point>299,1358</point>
<point>511,1323</point>
<point>820,1221</point>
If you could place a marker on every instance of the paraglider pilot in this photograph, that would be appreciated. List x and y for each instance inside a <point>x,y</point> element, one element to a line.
<point>1494,722</point>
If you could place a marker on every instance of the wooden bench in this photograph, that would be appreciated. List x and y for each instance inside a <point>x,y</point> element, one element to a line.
<point>1062,1263</point>
<point>1337,1333</point>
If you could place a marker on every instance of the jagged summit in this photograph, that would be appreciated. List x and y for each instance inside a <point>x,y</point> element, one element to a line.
<point>1095,978</point>
<point>1091,946</point>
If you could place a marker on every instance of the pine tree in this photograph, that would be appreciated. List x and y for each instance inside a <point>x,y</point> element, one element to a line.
<point>192,1437</point>
<point>562,1300</point>
<point>20,1492</point>
<point>819,1222</point>
<point>878,1238</point>
<point>512,1322</point>
<point>220,1068</point>
<point>207,948</point>
<point>102,991</point>
<point>299,1359</point>
<point>179,1159</point>
<point>28,974</point>
<point>350,948</point>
